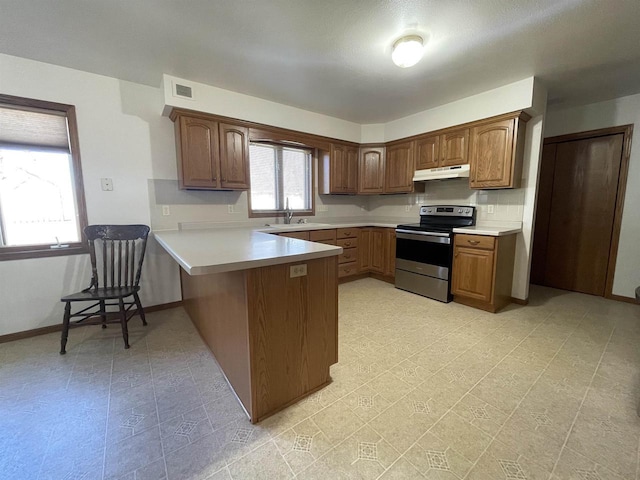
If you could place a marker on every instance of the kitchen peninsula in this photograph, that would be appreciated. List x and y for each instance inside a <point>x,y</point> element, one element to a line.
<point>267,307</point>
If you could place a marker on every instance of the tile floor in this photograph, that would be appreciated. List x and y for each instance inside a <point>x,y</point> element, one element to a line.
<point>422,390</point>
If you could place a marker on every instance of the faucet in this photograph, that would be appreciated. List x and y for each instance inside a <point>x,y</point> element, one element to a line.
<point>288,213</point>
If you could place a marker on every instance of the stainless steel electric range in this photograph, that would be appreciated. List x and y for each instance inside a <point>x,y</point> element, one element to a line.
<point>424,251</point>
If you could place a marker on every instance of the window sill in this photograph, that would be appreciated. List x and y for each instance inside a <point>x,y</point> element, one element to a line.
<point>39,251</point>
<point>280,213</point>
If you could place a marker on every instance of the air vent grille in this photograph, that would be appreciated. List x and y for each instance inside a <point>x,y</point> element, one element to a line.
<point>183,91</point>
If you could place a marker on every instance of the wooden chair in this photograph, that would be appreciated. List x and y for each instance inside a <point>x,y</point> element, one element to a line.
<point>120,250</point>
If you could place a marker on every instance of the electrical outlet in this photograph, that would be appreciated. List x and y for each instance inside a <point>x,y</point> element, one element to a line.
<point>298,270</point>
<point>166,210</point>
<point>107,184</point>
<point>407,208</point>
<point>230,208</point>
<point>490,208</point>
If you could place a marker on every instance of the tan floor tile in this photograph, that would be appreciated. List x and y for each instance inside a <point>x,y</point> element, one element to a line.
<point>265,462</point>
<point>501,462</point>
<point>480,414</point>
<point>337,421</point>
<point>463,437</point>
<point>402,470</point>
<point>390,386</point>
<point>367,403</point>
<point>410,373</point>
<point>435,458</point>
<point>573,466</point>
<point>302,445</point>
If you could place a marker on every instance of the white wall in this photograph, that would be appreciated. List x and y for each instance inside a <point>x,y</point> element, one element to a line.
<point>620,111</point>
<point>121,134</point>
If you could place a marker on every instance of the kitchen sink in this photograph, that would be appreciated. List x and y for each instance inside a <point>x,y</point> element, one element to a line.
<point>292,226</point>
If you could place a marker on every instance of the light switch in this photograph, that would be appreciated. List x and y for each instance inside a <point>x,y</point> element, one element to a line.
<point>166,210</point>
<point>490,208</point>
<point>107,184</point>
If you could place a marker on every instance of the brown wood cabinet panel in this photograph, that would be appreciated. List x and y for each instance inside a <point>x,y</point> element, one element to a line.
<point>234,157</point>
<point>348,255</point>
<point>492,155</point>
<point>399,168</point>
<point>347,269</point>
<point>428,152</point>
<point>198,153</point>
<point>378,252</point>
<point>473,273</point>
<point>298,235</point>
<point>348,242</point>
<point>454,148</point>
<point>347,233</point>
<point>475,241</point>
<point>351,170</point>
<point>364,249</point>
<point>371,170</point>
<point>390,248</point>
<point>338,170</point>
<point>317,235</point>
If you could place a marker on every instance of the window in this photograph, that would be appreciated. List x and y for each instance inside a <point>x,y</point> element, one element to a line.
<point>42,209</point>
<point>281,177</point>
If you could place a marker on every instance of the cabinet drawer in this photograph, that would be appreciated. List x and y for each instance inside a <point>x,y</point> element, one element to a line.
<point>347,233</point>
<point>475,241</point>
<point>318,235</point>
<point>298,235</point>
<point>326,242</point>
<point>347,242</point>
<point>348,255</point>
<point>346,269</point>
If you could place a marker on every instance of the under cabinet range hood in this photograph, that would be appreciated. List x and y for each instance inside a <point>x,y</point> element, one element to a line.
<point>442,173</point>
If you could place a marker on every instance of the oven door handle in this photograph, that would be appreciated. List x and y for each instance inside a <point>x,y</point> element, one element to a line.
<point>433,237</point>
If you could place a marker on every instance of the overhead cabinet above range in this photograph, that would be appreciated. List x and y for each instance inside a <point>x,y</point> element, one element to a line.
<point>211,155</point>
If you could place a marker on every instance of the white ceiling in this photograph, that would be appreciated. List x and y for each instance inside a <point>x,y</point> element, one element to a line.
<point>333,56</point>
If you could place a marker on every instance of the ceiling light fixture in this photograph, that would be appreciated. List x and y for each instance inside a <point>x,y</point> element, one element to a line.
<point>407,51</point>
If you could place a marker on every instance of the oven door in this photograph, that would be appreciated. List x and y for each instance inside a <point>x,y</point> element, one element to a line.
<point>424,253</point>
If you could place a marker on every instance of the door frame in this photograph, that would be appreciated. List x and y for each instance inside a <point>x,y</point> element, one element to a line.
<point>627,132</point>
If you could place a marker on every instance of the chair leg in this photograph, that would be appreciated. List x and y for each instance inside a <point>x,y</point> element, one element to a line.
<point>140,309</point>
<point>103,314</point>
<point>123,321</point>
<point>65,328</point>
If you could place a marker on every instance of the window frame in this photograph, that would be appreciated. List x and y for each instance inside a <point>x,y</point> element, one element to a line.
<point>313,153</point>
<point>19,252</point>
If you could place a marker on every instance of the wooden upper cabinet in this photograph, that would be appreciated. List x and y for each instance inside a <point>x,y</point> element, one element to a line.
<point>234,156</point>
<point>399,168</point>
<point>211,155</point>
<point>454,148</point>
<point>338,170</point>
<point>198,153</point>
<point>428,152</point>
<point>371,170</point>
<point>496,154</point>
<point>351,172</point>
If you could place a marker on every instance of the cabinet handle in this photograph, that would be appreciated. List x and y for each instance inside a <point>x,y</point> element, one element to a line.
<point>347,234</point>
<point>346,244</point>
<point>473,242</point>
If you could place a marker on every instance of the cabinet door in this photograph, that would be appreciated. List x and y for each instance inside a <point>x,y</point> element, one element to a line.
<point>371,170</point>
<point>198,156</point>
<point>351,173</point>
<point>364,249</point>
<point>338,169</point>
<point>492,159</point>
<point>400,167</point>
<point>472,275</point>
<point>234,157</point>
<point>454,148</point>
<point>428,152</point>
<point>378,251</point>
<point>390,251</point>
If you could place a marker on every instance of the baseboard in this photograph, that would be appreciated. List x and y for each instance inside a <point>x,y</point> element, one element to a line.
<point>620,298</point>
<point>351,278</point>
<point>383,278</point>
<point>10,337</point>
<point>519,301</point>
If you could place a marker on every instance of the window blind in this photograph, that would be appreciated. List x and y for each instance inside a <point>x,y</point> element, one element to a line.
<point>33,128</point>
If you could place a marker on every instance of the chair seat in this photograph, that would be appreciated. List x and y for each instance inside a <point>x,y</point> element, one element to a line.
<point>96,294</point>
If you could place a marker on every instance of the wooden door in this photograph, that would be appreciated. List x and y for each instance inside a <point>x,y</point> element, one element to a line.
<point>199,155</point>
<point>378,252</point>
<point>399,169</point>
<point>583,204</point>
<point>234,156</point>
<point>390,252</point>
<point>428,152</point>
<point>351,170</point>
<point>472,274</point>
<point>364,249</point>
<point>492,159</point>
<point>338,170</point>
<point>371,170</point>
<point>455,148</point>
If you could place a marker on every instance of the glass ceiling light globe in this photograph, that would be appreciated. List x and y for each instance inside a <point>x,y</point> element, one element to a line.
<point>407,51</point>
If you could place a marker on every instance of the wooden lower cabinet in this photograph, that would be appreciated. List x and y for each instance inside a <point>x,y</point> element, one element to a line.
<point>483,270</point>
<point>273,336</point>
<point>364,250</point>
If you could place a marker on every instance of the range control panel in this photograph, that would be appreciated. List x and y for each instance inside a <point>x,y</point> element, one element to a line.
<point>447,210</point>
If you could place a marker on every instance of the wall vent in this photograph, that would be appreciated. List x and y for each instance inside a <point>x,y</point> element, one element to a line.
<point>182,91</point>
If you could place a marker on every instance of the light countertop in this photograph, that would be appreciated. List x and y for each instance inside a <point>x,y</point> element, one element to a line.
<point>490,230</point>
<point>205,251</point>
